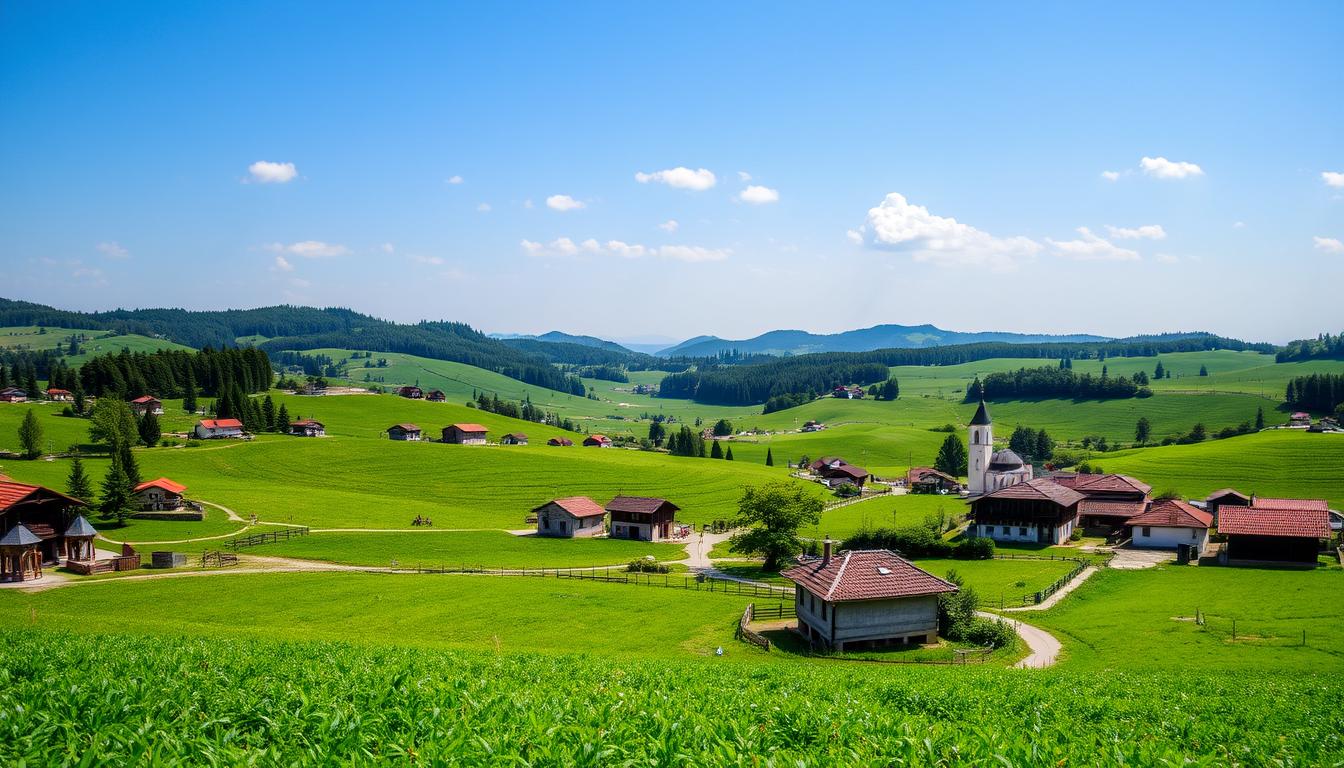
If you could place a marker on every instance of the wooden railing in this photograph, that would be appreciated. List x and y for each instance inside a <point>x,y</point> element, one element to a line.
<point>268,537</point>
<point>745,633</point>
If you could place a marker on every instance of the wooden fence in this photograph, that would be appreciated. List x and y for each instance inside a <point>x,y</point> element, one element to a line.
<point>619,575</point>
<point>1036,598</point>
<point>268,537</point>
<point>747,634</point>
<point>216,559</point>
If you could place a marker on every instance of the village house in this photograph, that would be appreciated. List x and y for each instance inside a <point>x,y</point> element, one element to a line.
<point>560,441</point>
<point>864,599</point>
<point>464,434</point>
<point>159,495</point>
<point>597,441</point>
<point>1109,500</point>
<point>1299,419</point>
<point>12,395</point>
<point>412,393</point>
<point>436,396</point>
<point>577,516</point>
<point>641,518</point>
<point>1225,497</point>
<point>39,526</point>
<point>210,429</point>
<point>1039,511</point>
<point>929,480</point>
<point>1284,530</point>
<point>1169,523</point>
<point>307,428</point>
<point>403,432</point>
<point>58,395</point>
<point>513,438</point>
<point>813,426</point>
<point>842,473</point>
<point>848,393</point>
<point>147,404</point>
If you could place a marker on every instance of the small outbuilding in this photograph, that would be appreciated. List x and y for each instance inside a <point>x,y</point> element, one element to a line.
<point>147,404</point>
<point>159,495</point>
<point>865,599</point>
<point>930,480</point>
<point>408,432</point>
<point>597,441</point>
<point>307,428</point>
<point>560,441</point>
<point>79,541</point>
<point>642,518</point>
<point>20,555</point>
<point>58,395</point>
<point>12,395</point>
<point>1169,523</point>
<point>574,517</point>
<point>411,393</point>
<point>1278,533</point>
<point>436,396</point>
<point>210,429</point>
<point>513,438</point>
<point>464,434</point>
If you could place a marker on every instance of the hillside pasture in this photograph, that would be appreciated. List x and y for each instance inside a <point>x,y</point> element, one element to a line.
<point>98,343</point>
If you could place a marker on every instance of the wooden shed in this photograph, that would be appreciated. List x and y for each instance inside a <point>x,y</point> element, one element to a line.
<point>642,518</point>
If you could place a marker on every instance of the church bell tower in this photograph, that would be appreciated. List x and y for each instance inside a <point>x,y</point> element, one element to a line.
<point>981,446</point>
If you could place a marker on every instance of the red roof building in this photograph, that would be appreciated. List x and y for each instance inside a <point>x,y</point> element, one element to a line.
<point>597,441</point>
<point>208,429</point>
<point>1170,523</point>
<point>159,495</point>
<point>576,516</point>
<point>60,395</point>
<point>307,428</point>
<point>147,404</point>
<point>34,523</point>
<point>1287,535</point>
<point>464,434</point>
<point>1037,511</point>
<point>560,441</point>
<point>865,598</point>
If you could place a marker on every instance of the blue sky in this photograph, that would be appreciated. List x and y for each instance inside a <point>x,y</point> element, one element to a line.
<point>976,166</point>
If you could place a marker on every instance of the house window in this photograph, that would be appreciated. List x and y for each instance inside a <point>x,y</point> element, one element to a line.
<point>989,529</point>
<point>1147,531</point>
<point>1021,531</point>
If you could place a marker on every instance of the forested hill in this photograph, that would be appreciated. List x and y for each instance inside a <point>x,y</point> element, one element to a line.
<point>861,340</point>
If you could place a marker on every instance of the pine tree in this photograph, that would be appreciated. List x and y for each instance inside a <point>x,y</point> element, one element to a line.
<point>77,482</point>
<point>30,435</point>
<point>150,433</point>
<point>951,457</point>
<point>282,417</point>
<point>1203,370</point>
<point>1045,446</point>
<point>30,384</point>
<point>77,392</point>
<point>1159,372</point>
<point>189,392</point>
<point>769,458</point>
<point>1259,419</point>
<point>129,466</point>
<point>717,451</point>
<point>1143,429</point>
<point>268,414</point>
<point>729,453</point>
<point>116,492</point>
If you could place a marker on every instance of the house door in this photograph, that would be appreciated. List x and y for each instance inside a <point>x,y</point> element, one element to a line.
<point>1045,534</point>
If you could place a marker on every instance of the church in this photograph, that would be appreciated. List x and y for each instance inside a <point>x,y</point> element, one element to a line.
<point>989,470</point>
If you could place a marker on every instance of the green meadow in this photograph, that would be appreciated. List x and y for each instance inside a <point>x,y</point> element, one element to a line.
<point>99,342</point>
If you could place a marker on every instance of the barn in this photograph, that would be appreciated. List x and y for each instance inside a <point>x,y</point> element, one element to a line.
<point>864,599</point>
<point>307,428</point>
<point>1280,533</point>
<point>1040,511</point>
<point>513,438</point>
<point>408,432</point>
<point>597,441</point>
<point>37,526</point>
<point>159,495</point>
<point>561,442</point>
<point>210,429</point>
<point>576,516</point>
<point>464,434</point>
<point>642,518</point>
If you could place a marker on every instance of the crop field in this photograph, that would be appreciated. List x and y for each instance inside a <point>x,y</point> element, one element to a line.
<point>453,549</point>
<point>68,696</point>
<point>99,342</point>
<point>1120,619</point>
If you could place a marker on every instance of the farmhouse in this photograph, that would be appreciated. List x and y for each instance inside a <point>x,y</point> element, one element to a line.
<point>1299,419</point>
<point>1039,510</point>
<point>929,480</point>
<point>577,516</point>
<point>209,429</point>
<point>597,441</point>
<point>843,473</point>
<point>307,428</point>
<point>159,495</point>
<point>464,434</point>
<point>865,598</point>
<point>848,393</point>
<point>560,441</point>
<point>988,470</point>
<point>436,396</point>
<point>37,526</point>
<point>813,426</point>
<point>1278,533</point>
<point>403,432</point>
<point>58,395</point>
<point>12,395</point>
<point>513,438</point>
<point>825,462</point>
<point>412,393</point>
<point>147,404</point>
<point>1170,523</point>
<point>1109,500</point>
<point>641,518</point>
<point>1225,497</point>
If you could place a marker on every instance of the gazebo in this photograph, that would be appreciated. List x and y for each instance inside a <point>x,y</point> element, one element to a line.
<point>20,556</point>
<point>79,540</point>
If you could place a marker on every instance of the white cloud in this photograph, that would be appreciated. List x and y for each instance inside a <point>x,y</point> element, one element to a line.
<point>282,264</point>
<point>681,178</point>
<point>431,260</point>
<point>1238,225</point>
<point>590,245</point>
<point>112,250</point>
<point>897,225</point>
<point>855,236</point>
<point>1333,179</point>
<point>1110,175</point>
<point>1093,248</point>
<point>387,248</point>
<point>1329,244</point>
<point>92,274</point>
<point>743,176</point>
<point>454,179</point>
<point>533,248</point>
<point>564,246</point>
<point>1162,168</point>
<point>627,250</point>
<point>670,225</point>
<point>265,172</point>
<point>693,253</point>
<point>1145,232</point>
<point>484,208</point>
<point>758,195</point>
<point>564,203</point>
<point>309,249</point>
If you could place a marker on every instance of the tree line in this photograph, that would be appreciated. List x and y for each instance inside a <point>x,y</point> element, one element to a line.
<point>1323,347</point>
<point>1051,381</point>
<point>176,373</point>
<point>524,410</point>
<point>799,377</point>
<point>1317,392</point>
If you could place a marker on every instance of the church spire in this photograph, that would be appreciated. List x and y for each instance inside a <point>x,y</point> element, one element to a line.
<point>981,417</point>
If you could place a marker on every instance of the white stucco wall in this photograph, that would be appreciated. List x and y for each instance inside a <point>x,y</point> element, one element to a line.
<point>1169,538</point>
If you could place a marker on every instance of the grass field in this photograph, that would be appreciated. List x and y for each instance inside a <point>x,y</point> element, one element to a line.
<point>1123,619</point>
<point>99,342</point>
<point>452,549</point>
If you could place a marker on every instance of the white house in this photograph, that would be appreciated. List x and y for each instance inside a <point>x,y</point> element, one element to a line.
<point>1169,523</point>
<point>574,517</point>
<point>207,429</point>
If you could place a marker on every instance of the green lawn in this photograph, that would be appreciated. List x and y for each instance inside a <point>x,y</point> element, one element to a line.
<point>490,549</point>
<point>216,523</point>
<point>892,511</point>
<point>485,612</point>
<point>98,343</point>
<point>1145,619</point>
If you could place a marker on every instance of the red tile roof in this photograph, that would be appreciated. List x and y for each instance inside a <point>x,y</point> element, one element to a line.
<point>849,470</point>
<point>874,574</point>
<point>1249,521</point>
<point>1226,492</point>
<point>221,423</point>
<point>1124,509</point>
<point>469,428</point>
<point>404,428</point>
<point>58,391</point>
<point>559,441</point>
<point>12,493</point>
<point>1172,513</point>
<point>145,399</point>
<point>1102,483</point>
<point>578,506</point>
<point>1269,503</point>
<point>306,423</point>
<point>643,505</point>
<point>1040,489</point>
<point>164,483</point>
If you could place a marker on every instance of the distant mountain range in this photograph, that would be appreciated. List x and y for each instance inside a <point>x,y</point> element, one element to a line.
<point>560,337</point>
<point>789,342</point>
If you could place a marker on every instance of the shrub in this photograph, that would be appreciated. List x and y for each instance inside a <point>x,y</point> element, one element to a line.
<point>989,633</point>
<point>975,548</point>
<point>847,490</point>
<point>648,566</point>
<point>914,541</point>
<point>1077,535</point>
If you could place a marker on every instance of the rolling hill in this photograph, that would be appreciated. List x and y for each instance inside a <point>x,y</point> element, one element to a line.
<point>794,342</point>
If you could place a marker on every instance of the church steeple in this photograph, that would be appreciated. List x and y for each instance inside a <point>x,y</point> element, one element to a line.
<point>981,417</point>
<point>981,446</point>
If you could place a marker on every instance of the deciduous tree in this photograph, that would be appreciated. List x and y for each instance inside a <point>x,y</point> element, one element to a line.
<point>772,515</point>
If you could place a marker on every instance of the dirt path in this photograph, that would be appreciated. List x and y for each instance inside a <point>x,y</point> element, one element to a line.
<point>1044,647</point>
<point>698,549</point>
<point>1050,601</point>
<point>234,516</point>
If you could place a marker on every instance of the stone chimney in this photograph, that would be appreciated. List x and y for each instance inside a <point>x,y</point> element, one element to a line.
<point>826,552</point>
